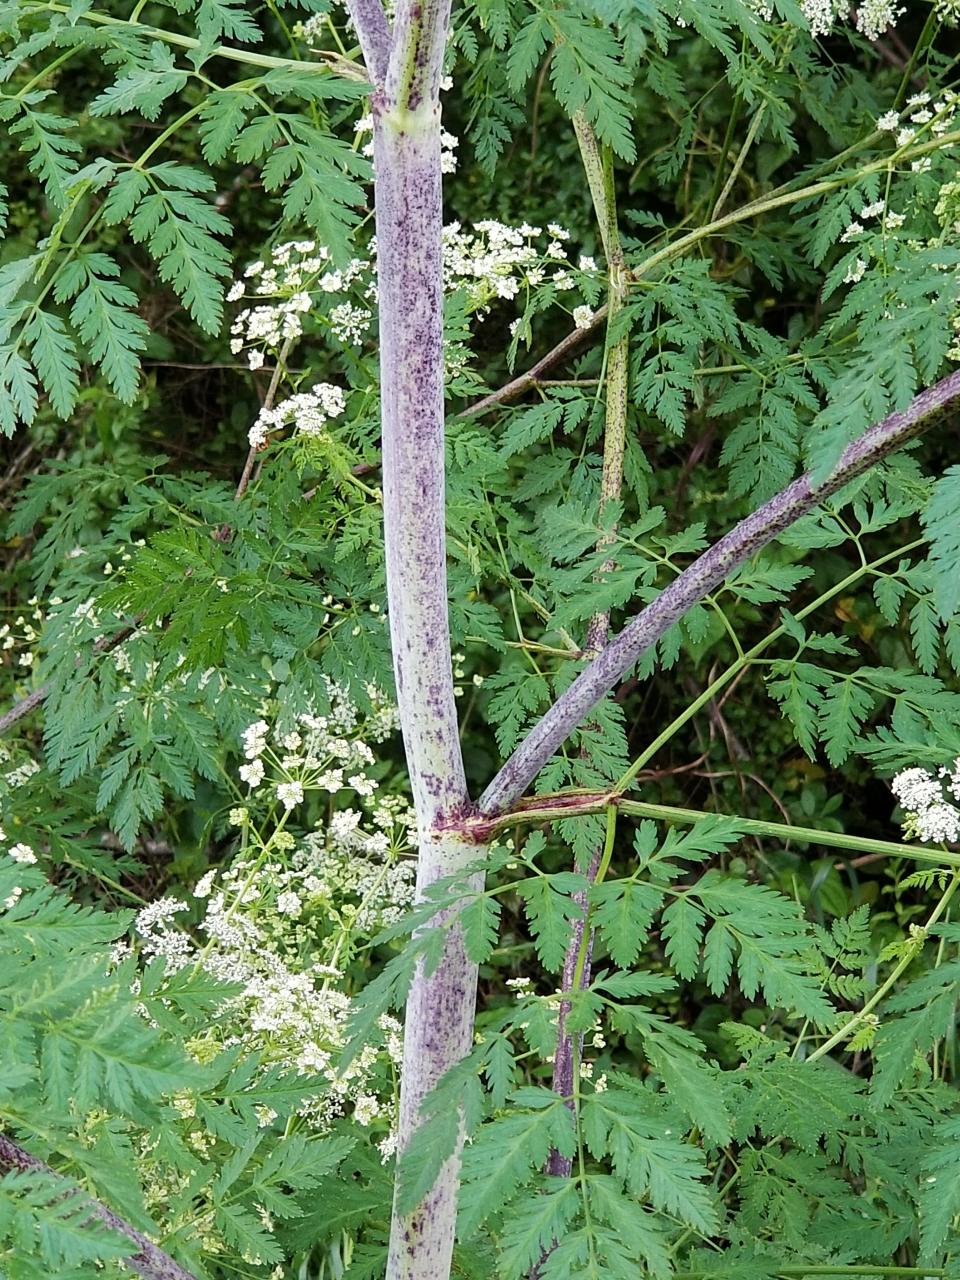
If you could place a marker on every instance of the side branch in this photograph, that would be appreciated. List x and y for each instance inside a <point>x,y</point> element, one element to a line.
<point>148,1261</point>
<point>516,387</point>
<point>577,804</point>
<point>705,573</point>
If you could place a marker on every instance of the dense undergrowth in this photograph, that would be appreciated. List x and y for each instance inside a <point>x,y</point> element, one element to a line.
<point>206,875</point>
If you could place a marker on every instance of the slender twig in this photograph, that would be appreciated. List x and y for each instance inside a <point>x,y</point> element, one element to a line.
<point>578,804</point>
<point>705,573</point>
<point>105,644</point>
<point>516,387</point>
<point>148,1261</point>
<point>278,371</point>
<point>598,167</point>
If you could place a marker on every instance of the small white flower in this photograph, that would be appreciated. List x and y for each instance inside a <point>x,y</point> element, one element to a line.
<point>290,794</point>
<point>289,904</point>
<point>582,317</point>
<point>252,773</point>
<point>204,885</point>
<point>255,739</point>
<point>22,853</point>
<point>874,17</point>
<point>856,272</point>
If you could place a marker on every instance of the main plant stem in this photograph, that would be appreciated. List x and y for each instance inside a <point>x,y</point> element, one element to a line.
<point>440,1006</point>
<point>439,1014</point>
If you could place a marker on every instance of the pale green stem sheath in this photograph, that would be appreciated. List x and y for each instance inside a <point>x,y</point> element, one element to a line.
<point>406,69</point>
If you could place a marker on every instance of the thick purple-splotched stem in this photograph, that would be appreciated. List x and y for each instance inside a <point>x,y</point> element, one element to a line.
<point>147,1260</point>
<point>440,1008</point>
<point>705,573</point>
<point>373,31</point>
<point>416,56</point>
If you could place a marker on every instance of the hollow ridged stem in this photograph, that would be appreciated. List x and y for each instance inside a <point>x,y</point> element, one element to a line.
<point>440,1007</point>
<point>705,573</point>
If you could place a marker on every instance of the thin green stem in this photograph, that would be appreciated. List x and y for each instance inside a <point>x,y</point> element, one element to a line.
<point>903,964</point>
<point>710,692</point>
<point>246,56</point>
<point>923,42</point>
<point>800,835</point>
<point>574,804</point>
<point>800,1272</point>
<point>727,143</point>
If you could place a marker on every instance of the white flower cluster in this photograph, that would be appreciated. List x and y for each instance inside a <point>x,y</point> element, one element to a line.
<point>495,261</point>
<point>489,262</point>
<point>931,815</point>
<point>22,634</point>
<point>308,412</point>
<point>323,752</point>
<point>856,231</point>
<point>873,17</point>
<point>20,853</point>
<point>18,775</point>
<point>160,936</point>
<point>283,918</point>
<point>921,115</point>
<point>294,272</point>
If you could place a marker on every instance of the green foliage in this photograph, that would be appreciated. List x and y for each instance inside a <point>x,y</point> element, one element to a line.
<point>763,1050</point>
<point>940,522</point>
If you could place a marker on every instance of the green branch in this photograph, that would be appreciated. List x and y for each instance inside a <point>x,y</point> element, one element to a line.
<point>343,66</point>
<point>580,804</point>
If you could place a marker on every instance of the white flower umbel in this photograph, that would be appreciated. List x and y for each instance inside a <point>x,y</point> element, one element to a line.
<point>872,17</point>
<point>290,794</point>
<point>160,936</point>
<point>927,801</point>
<point>308,413</point>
